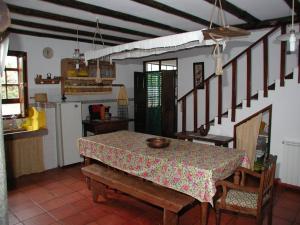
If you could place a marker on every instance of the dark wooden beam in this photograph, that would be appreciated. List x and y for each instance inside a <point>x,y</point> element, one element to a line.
<point>269,23</point>
<point>114,14</point>
<point>236,11</point>
<point>68,30</point>
<point>47,35</point>
<point>173,11</point>
<point>61,18</point>
<point>297,5</point>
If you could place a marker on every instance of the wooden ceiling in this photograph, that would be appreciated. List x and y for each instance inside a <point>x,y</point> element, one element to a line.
<point>123,21</point>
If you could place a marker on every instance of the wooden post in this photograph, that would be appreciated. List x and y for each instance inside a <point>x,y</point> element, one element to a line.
<point>220,99</point>
<point>266,65</point>
<point>249,70</point>
<point>282,57</point>
<point>233,94</point>
<point>207,102</point>
<point>183,108</point>
<point>195,93</point>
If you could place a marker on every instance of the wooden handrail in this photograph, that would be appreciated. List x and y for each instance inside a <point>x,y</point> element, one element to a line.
<point>236,57</point>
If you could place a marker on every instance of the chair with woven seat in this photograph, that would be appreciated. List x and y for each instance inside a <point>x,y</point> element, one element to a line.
<point>240,198</point>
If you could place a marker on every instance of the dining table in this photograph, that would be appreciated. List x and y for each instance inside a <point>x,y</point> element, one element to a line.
<point>184,166</point>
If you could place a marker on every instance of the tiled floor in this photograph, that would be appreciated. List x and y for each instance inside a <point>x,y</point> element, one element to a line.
<point>60,196</point>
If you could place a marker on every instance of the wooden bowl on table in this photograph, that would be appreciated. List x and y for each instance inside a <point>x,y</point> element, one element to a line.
<point>158,142</point>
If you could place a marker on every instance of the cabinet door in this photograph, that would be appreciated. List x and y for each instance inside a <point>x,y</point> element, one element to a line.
<point>168,104</point>
<point>140,95</point>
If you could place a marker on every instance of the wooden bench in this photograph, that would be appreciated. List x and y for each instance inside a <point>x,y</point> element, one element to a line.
<point>170,200</point>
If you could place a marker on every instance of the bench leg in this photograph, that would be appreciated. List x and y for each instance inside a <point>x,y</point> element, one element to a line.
<point>98,189</point>
<point>170,218</point>
<point>204,213</point>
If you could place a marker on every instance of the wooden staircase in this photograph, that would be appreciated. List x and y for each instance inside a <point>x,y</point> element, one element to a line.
<point>208,121</point>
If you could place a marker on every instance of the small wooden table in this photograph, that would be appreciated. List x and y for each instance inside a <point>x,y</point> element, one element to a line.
<point>218,140</point>
<point>104,126</point>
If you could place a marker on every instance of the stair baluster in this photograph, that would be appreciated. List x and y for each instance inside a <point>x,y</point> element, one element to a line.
<point>207,103</point>
<point>183,109</point>
<point>233,89</point>
<point>195,93</point>
<point>249,70</point>
<point>299,59</point>
<point>282,57</point>
<point>266,65</point>
<point>220,99</point>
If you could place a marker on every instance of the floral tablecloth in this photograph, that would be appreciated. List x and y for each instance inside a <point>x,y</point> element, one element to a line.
<point>190,168</point>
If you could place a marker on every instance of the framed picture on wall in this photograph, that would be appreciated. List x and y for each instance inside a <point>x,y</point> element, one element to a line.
<point>198,70</point>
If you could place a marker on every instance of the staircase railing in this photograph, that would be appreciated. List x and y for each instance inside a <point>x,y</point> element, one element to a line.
<point>264,39</point>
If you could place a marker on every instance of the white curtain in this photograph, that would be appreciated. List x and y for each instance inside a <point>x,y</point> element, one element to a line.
<point>3,184</point>
<point>246,137</point>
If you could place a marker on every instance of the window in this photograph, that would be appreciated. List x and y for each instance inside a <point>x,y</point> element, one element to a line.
<point>14,88</point>
<point>161,65</point>
<point>154,89</point>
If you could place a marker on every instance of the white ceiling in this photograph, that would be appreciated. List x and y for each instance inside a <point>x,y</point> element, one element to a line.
<point>261,9</point>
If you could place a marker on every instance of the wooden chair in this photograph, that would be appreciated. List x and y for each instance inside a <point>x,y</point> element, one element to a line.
<point>249,200</point>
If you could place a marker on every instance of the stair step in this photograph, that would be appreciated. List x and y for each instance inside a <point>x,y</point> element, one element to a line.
<point>212,122</point>
<point>271,87</point>
<point>255,97</point>
<point>239,106</point>
<point>290,76</point>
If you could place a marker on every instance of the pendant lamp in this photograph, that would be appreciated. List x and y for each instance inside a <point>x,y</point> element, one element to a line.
<point>292,36</point>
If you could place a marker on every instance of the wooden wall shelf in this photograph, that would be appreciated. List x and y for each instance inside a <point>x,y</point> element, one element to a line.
<point>86,85</point>
<point>47,81</point>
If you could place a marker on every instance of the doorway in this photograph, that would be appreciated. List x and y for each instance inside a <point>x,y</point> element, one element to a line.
<point>155,93</point>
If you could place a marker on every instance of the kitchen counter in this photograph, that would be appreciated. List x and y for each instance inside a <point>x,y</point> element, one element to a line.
<point>19,133</point>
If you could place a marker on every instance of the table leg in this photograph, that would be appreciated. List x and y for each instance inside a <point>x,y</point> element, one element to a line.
<point>204,213</point>
<point>87,161</point>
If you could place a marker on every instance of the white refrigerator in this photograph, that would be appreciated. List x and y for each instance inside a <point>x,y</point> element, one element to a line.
<point>69,129</point>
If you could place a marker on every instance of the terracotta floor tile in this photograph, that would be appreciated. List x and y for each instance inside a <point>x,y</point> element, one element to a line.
<point>42,197</point>
<point>53,204</point>
<point>242,220</point>
<point>96,213</point>
<point>111,219</point>
<point>79,219</point>
<point>77,186</point>
<point>83,204</point>
<point>284,213</point>
<point>16,198</point>
<point>280,221</point>
<point>12,219</point>
<point>50,185</point>
<point>63,212</point>
<point>21,206</point>
<point>61,191</point>
<point>29,212</point>
<point>69,181</point>
<point>289,204</point>
<point>43,219</point>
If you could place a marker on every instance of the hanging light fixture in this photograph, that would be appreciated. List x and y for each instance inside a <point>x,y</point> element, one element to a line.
<point>77,56</point>
<point>220,35</point>
<point>98,71</point>
<point>292,36</point>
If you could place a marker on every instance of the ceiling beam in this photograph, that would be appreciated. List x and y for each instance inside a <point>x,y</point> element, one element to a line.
<point>236,11</point>
<point>61,18</point>
<point>297,5</point>
<point>55,36</point>
<point>269,23</point>
<point>173,11</point>
<point>114,14</point>
<point>68,30</point>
